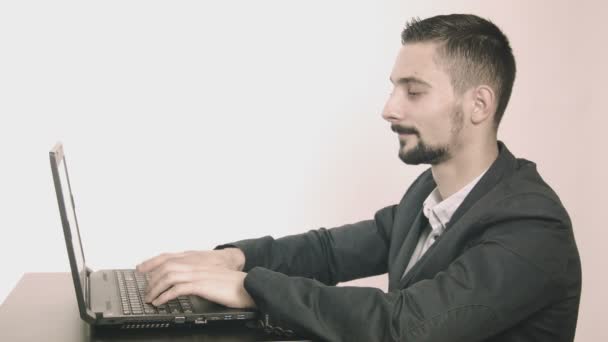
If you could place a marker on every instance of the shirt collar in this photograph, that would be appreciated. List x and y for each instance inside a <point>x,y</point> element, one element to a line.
<point>439,211</point>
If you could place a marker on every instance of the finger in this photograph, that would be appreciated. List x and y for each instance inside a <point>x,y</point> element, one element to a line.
<point>152,263</point>
<point>173,265</point>
<point>182,289</point>
<point>166,282</point>
<point>197,272</point>
<point>178,264</point>
<point>203,274</point>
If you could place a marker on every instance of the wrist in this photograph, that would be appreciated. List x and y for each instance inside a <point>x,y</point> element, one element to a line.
<point>237,257</point>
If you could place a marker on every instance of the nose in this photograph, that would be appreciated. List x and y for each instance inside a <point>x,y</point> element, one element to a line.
<point>390,116</point>
<point>392,111</point>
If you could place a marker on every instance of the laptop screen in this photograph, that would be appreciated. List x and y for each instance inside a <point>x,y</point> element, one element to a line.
<point>67,207</point>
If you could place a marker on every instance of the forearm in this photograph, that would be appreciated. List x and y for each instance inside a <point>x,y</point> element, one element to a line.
<point>329,255</point>
<point>460,304</point>
<point>309,255</point>
<point>313,309</point>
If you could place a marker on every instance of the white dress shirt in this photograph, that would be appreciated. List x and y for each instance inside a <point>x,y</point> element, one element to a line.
<point>438,212</point>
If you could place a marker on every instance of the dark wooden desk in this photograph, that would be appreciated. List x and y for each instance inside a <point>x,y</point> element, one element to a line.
<point>42,307</point>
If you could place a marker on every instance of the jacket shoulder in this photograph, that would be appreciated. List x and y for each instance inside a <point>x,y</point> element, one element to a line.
<point>524,193</point>
<point>524,215</point>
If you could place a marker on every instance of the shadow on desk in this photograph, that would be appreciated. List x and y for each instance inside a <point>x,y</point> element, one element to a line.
<point>42,307</point>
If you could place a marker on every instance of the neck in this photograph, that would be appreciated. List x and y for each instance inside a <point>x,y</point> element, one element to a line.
<point>466,165</point>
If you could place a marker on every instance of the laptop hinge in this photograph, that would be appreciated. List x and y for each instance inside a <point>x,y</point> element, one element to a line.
<point>96,315</point>
<point>88,289</point>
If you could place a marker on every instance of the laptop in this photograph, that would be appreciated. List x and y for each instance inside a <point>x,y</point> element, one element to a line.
<point>114,298</point>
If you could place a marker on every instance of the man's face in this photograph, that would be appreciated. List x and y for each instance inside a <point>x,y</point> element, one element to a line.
<point>422,108</point>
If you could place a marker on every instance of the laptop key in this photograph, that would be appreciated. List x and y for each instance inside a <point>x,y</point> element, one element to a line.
<point>149,308</point>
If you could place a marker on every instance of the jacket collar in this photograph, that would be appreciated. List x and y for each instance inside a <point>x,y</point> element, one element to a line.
<point>504,165</point>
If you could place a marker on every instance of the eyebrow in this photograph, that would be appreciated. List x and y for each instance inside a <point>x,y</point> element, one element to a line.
<point>405,80</point>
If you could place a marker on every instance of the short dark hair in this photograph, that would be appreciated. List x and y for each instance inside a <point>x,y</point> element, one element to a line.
<point>472,49</point>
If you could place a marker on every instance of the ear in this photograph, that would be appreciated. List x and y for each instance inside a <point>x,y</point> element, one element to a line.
<point>483,104</point>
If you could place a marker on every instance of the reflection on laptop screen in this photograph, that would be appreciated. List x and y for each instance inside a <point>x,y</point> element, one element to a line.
<point>70,213</point>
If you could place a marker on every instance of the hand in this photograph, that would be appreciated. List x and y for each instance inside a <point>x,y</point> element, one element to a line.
<point>229,258</point>
<point>195,273</point>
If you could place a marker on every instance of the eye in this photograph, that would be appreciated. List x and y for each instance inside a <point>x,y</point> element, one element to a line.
<point>413,94</point>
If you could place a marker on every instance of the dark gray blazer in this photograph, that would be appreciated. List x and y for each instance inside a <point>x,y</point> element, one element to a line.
<point>506,268</point>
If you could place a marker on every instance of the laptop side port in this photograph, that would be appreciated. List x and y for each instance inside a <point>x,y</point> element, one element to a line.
<point>200,320</point>
<point>241,316</point>
<point>227,316</point>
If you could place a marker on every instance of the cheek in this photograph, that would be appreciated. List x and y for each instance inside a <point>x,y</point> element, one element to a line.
<point>435,133</point>
<point>437,121</point>
<point>438,106</point>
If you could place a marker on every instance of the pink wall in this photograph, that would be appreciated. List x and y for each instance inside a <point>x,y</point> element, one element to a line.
<point>557,118</point>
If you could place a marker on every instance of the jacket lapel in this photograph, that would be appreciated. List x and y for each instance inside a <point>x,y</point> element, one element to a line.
<point>504,164</point>
<point>408,247</point>
<point>407,226</point>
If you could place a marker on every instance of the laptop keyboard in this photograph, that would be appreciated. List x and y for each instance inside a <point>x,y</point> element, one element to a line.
<point>132,286</point>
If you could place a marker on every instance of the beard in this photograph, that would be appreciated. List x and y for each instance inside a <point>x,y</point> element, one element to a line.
<point>424,153</point>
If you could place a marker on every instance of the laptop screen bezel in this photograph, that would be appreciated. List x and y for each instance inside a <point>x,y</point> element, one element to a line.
<point>57,158</point>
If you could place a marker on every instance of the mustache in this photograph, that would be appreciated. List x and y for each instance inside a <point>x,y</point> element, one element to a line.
<point>404,130</point>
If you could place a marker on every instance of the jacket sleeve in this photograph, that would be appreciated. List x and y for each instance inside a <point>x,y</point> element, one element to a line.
<point>328,255</point>
<point>486,290</point>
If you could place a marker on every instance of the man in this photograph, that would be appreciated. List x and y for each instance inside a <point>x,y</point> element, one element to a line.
<point>479,248</point>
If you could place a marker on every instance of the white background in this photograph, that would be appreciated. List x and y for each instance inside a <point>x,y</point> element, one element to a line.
<point>189,124</point>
